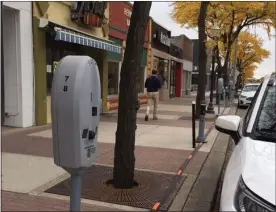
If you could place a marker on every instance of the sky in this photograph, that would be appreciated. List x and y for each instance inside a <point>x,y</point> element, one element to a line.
<point>160,12</point>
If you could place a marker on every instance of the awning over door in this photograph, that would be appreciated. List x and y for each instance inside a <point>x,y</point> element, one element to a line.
<point>82,39</point>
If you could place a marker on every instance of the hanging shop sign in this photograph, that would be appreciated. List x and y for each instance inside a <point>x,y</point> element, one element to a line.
<point>128,14</point>
<point>89,13</point>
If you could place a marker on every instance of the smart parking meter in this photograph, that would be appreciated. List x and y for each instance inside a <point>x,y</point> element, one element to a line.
<point>75,106</point>
<point>201,124</point>
<point>220,85</point>
<point>76,101</point>
<point>202,109</point>
<point>220,91</point>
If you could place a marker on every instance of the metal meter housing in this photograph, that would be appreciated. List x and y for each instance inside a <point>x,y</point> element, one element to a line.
<point>75,106</point>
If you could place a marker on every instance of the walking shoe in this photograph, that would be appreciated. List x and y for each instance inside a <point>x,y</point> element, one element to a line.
<point>146,118</point>
<point>155,118</point>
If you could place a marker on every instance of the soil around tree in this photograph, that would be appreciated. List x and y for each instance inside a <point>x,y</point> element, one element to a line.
<point>111,183</point>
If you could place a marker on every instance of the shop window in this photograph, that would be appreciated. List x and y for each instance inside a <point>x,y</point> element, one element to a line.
<point>49,70</point>
<point>141,80</point>
<point>155,63</point>
<point>113,78</point>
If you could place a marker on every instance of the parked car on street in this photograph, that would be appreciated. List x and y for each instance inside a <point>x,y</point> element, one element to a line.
<point>247,94</point>
<point>249,180</point>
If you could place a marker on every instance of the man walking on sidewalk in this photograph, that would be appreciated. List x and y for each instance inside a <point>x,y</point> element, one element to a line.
<point>152,84</point>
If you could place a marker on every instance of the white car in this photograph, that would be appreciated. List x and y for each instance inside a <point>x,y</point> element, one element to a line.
<point>247,94</point>
<point>249,180</point>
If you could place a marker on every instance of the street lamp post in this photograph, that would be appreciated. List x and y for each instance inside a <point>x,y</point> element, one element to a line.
<point>215,33</point>
<point>235,66</point>
<point>210,108</point>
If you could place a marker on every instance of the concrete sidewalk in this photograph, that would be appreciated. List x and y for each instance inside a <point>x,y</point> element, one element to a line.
<point>171,110</point>
<point>161,146</point>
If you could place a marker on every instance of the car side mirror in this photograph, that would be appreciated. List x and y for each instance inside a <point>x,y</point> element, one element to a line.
<point>229,124</point>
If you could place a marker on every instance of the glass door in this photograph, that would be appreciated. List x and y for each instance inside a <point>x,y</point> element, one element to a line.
<point>172,79</point>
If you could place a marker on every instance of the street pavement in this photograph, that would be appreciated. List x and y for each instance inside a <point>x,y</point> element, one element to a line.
<point>161,146</point>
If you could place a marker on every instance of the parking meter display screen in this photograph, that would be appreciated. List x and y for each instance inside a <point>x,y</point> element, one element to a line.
<point>94,111</point>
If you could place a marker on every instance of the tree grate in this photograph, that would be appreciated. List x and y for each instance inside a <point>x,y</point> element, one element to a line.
<point>151,189</point>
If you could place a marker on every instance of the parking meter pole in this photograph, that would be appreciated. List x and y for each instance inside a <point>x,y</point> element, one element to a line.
<point>201,127</point>
<point>75,136</point>
<point>76,190</point>
<point>224,98</point>
<point>193,123</point>
<point>219,104</point>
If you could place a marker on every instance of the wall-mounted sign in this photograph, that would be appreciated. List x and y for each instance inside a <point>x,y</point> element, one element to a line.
<point>55,64</point>
<point>165,39</point>
<point>49,68</point>
<point>128,14</point>
<point>89,13</point>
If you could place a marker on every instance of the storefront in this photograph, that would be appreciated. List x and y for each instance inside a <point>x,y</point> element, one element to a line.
<point>176,71</point>
<point>119,21</point>
<point>187,79</point>
<point>56,37</point>
<point>186,45</point>
<point>17,74</point>
<point>162,65</point>
<point>160,43</point>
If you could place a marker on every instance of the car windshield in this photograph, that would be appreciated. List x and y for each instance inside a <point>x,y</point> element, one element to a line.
<point>248,88</point>
<point>265,128</point>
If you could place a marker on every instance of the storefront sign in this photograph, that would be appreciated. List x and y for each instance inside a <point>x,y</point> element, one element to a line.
<point>165,39</point>
<point>128,22</point>
<point>49,68</point>
<point>128,14</point>
<point>55,64</point>
<point>89,13</point>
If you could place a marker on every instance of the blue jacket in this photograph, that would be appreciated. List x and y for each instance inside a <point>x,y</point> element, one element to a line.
<point>153,84</point>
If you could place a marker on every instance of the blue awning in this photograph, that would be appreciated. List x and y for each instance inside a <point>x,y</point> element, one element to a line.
<point>77,38</point>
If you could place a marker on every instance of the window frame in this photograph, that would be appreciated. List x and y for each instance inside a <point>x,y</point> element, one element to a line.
<point>110,96</point>
<point>249,112</point>
<point>253,132</point>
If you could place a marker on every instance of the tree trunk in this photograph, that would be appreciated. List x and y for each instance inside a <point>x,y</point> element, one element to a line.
<point>124,161</point>
<point>225,75</point>
<point>200,98</point>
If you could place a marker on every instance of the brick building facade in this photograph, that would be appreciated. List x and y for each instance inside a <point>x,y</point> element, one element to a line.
<point>119,21</point>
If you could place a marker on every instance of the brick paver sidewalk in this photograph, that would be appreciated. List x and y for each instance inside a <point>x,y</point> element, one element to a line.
<point>12,201</point>
<point>161,146</point>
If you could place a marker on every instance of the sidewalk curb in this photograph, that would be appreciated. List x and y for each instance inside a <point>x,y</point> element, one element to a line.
<point>209,176</point>
<point>190,187</point>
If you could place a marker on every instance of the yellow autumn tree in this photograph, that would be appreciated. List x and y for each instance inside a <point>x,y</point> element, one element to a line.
<point>231,17</point>
<point>249,51</point>
<point>248,72</point>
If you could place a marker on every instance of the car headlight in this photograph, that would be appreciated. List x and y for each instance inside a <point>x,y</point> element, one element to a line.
<point>246,200</point>
<point>242,96</point>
